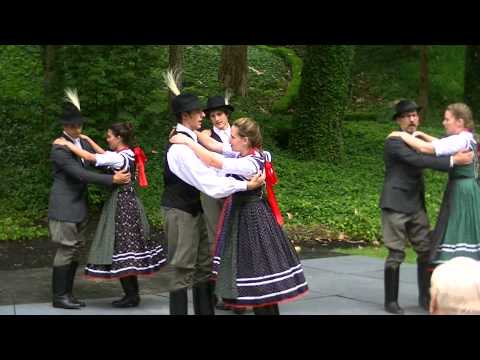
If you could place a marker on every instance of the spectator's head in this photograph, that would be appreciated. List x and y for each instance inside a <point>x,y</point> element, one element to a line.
<point>455,287</point>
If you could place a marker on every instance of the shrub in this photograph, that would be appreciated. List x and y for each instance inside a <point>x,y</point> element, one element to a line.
<point>296,65</point>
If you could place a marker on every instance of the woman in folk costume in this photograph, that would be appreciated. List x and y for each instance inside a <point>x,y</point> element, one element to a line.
<point>457,232</point>
<point>122,247</point>
<point>185,176</point>
<point>218,110</point>
<point>255,263</point>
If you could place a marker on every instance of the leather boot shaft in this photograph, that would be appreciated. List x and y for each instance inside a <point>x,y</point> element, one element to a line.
<point>392,282</point>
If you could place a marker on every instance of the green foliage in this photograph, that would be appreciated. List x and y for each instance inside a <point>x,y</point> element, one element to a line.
<point>267,78</point>
<point>21,74</point>
<point>359,116</point>
<point>447,72</point>
<point>472,78</point>
<point>324,95</point>
<point>276,130</point>
<point>296,65</point>
<point>383,74</point>
<point>342,197</point>
<point>26,144</point>
<point>115,82</point>
<point>19,226</point>
<point>378,252</point>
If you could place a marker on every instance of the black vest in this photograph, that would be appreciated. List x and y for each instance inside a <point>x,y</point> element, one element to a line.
<point>132,169</point>
<point>177,193</point>
<point>215,136</point>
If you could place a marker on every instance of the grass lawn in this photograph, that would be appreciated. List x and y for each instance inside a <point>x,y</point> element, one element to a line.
<point>378,252</point>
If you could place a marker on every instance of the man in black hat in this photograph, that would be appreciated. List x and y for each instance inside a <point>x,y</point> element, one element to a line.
<point>67,208</point>
<point>403,205</point>
<point>218,110</point>
<point>185,176</point>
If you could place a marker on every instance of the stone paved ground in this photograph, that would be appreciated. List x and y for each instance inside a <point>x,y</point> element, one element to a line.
<point>339,285</point>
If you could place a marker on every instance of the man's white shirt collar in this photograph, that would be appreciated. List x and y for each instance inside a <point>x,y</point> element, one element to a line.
<point>75,141</point>
<point>224,134</point>
<point>184,129</point>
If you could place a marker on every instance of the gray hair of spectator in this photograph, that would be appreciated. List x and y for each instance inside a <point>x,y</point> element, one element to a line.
<point>455,287</point>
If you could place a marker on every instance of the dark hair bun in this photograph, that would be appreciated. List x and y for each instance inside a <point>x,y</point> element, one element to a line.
<point>125,130</point>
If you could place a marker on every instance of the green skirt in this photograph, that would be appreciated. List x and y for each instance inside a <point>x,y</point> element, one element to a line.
<point>457,232</point>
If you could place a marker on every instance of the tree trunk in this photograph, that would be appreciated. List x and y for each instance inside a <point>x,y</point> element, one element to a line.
<point>233,72</point>
<point>472,79</point>
<point>322,101</point>
<point>52,79</point>
<point>423,87</point>
<point>408,49</point>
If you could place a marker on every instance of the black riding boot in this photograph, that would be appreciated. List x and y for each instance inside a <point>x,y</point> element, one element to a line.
<point>60,286</point>
<point>220,305</point>
<point>203,299</point>
<point>270,310</point>
<point>218,302</point>
<point>211,290</point>
<point>424,274</point>
<point>132,297</point>
<point>392,279</point>
<point>73,270</point>
<point>179,302</point>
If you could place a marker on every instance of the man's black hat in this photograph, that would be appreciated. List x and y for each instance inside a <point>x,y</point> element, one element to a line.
<point>217,103</point>
<point>185,103</point>
<point>71,112</point>
<point>405,106</point>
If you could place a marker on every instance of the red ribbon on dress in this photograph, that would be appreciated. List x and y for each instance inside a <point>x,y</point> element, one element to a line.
<point>271,180</point>
<point>141,159</point>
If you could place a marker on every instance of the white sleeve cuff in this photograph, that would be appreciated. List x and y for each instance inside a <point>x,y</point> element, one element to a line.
<point>241,185</point>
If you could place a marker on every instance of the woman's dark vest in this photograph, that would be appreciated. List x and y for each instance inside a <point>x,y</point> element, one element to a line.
<point>215,136</point>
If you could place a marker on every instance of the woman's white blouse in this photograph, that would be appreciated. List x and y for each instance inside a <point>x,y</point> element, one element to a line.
<point>245,166</point>
<point>453,143</point>
<point>116,160</point>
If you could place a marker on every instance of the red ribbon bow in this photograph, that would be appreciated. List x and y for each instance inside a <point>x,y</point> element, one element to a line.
<point>271,180</point>
<point>141,159</point>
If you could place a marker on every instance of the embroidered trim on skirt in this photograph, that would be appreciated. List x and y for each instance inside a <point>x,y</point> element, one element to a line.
<point>254,262</point>
<point>457,232</point>
<point>134,251</point>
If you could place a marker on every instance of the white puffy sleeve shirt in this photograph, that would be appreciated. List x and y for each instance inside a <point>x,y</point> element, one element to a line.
<point>116,160</point>
<point>453,143</point>
<point>245,166</point>
<point>187,166</point>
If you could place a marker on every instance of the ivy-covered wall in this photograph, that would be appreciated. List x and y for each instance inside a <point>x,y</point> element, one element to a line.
<point>323,97</point>
<point>472,79</point>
